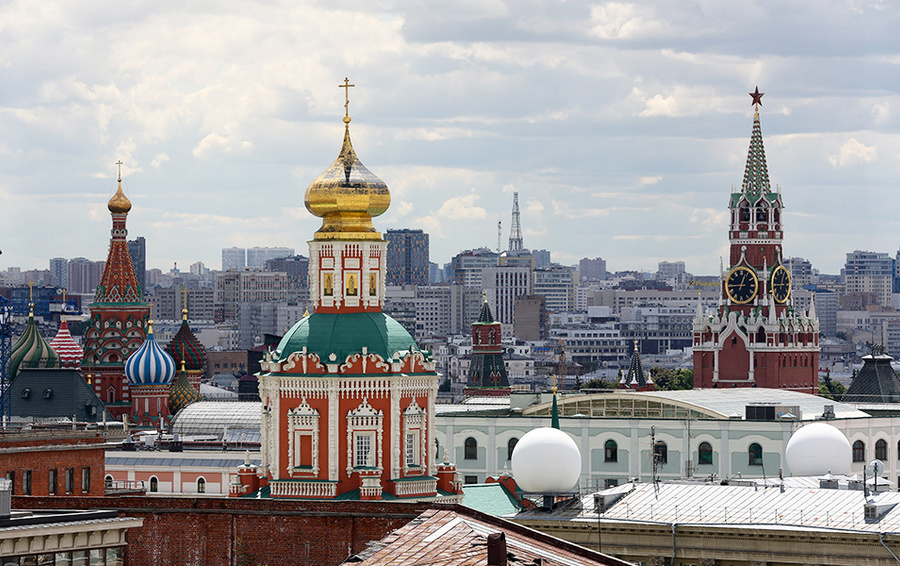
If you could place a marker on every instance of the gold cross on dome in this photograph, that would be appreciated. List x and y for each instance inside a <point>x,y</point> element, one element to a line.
<point>119,164</point>
<point>346,86</point>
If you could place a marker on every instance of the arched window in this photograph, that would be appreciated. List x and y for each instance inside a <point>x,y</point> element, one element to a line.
<point>756,454</point>
<point>610,451</point>
<point>111,395</point>
<point>201,485</point>
<point>881,450</point>
<point>510,446</point>
<point>661,452</point>
<point>154,484</point>
<point>471,449</point>
<point>704,453</point>
<point>745,211</point>
<point>108,482</point>
<point>761,214</point>
<point>859,451</point>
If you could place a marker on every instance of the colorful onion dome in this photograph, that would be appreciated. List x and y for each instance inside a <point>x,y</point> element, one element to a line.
<point>185,347</point>
<point>182,393</point>
<point>70,353</point>
<point>150,364</point>
<point>119,203</point>
<point>32,351</point>
<point>347,196</point>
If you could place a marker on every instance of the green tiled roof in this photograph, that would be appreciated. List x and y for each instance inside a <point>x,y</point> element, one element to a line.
<point>343,334</point>
<point>877,382</point>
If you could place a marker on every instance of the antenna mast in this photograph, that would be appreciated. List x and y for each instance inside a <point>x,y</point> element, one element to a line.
<point>499,235</point>
<point>515,232</point>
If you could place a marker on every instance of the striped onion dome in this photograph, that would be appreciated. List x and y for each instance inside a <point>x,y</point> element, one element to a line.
<point>185,345</point>
<point>182,393</point>
<point>31,350</point>
<point>150,364</point>
<point>70,353</point>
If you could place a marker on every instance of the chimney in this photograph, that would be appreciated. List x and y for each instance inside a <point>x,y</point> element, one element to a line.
<point>496,549</point>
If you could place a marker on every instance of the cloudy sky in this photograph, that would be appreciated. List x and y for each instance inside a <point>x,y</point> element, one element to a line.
<point>622,125</point>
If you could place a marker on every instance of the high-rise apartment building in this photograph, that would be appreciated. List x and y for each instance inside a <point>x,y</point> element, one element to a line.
<point>257,257</point>
<point>296,267</point>
<point>407,257</point>
<point>870,272</point>
<point>84,275</point>
<point>592,269</point>
<point>137,249</point>
<point>541,258</point>
<point>59,272</point>
<point>502,285</point>
<point>235,287</point>
<point>234,258</point>
<point>168,303</point>
<point>466,267</point>
<point>557,284</point>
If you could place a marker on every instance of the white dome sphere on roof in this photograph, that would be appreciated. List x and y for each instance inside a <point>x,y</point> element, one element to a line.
<point>546,460</point>
<point>817,449</point>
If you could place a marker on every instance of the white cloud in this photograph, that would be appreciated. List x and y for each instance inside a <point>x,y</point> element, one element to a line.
<point>214,144</point>
<point>461,208</point>
<point>710,219</point>
<point>159,160</point>
<point>565,209</point>
<point>624,20</point>
<point>852,153</point>
<point>649,180</point>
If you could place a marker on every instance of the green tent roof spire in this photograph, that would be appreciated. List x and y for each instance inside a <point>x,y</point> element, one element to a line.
<point>756,172</point>
<point>554,412</point>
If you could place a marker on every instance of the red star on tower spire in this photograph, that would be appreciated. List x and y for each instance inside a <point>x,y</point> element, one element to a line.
<point>757,97</point>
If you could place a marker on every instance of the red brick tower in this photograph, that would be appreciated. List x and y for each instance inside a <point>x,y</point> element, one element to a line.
<point>487,373</point>
<point>118,316</point>
<point>755,338</point>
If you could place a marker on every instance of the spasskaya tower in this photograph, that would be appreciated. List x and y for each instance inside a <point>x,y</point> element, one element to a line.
<point>755,337</point>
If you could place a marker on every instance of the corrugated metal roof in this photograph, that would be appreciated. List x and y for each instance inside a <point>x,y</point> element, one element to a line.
<point>739,505</point>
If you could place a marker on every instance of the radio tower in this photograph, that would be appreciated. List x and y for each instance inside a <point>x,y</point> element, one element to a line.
<point>515,232</point>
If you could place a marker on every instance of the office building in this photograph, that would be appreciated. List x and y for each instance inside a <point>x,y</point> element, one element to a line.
<point>257,257</point>
<point>137,249</point>
<point>407,257</point>
<point>234,258</point>
<point>870,272</point>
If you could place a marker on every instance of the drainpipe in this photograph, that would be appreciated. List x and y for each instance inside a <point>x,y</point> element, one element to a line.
<point>881,540</point>
<point>674,546</point>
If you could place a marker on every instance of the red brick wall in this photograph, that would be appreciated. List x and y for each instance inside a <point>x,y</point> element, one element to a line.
<point>235,531</point>
<point>40,461</point>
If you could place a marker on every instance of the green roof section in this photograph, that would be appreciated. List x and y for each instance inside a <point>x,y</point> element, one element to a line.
<point>485,316</point>
<point>490,498</point>
<point>343,334</point>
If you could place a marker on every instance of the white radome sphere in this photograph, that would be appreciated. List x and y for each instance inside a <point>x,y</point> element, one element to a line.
<point>546,460</point>
<point>817,449</point>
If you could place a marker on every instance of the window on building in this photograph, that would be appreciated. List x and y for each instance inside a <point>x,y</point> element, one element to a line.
<point>201,485</point>
<point>608,483</point>
<point>412,442</point>
<point>26,482</point>
<point>881,450</point>
<point>470,451</point>
<point>510,447</point>
<point>108,482</point>
<point>362,450</point>
<point>52,482</point>
<point>704,453</point>
<point>85,480</point>
<point>70,480</point>
<point>154,484</point>
<point>610,451</point>
<point>859,451</point>
<point>755,454</point>
<point>661,452</point>
<point>469,480</point>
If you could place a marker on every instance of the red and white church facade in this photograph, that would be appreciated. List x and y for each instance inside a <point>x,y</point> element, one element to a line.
<point>348,399</point>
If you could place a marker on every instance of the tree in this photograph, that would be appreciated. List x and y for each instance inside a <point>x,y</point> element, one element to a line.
<point>831,389</point>
<point>672,379</point>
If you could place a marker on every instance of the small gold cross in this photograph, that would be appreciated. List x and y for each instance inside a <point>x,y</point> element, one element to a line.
<point>119,163</point>
<point>346,86</point>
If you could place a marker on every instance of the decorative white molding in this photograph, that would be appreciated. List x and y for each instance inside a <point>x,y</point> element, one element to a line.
<point>365,419</point>
<point>303,421</point>
<point>300,488</point>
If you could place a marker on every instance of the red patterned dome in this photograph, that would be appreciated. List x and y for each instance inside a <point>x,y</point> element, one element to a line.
<point>185,342</point>
<point>69,351</point>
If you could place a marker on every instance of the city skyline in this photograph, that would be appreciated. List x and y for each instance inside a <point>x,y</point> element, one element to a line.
<point>622,126</point>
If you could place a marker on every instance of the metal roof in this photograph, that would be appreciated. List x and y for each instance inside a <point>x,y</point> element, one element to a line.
<point>697,403</point>
<point>208,418</point>
<point>750,506</point>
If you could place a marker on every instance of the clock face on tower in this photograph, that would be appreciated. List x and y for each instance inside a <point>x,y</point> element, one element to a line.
<point>741,285</point>
<point>781,284</point>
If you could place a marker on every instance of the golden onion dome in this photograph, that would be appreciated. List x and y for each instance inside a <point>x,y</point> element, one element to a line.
<point>119,203</point>
<point>347,196</point>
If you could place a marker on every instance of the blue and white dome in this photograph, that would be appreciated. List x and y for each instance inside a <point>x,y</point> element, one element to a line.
<point>150,364</point>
